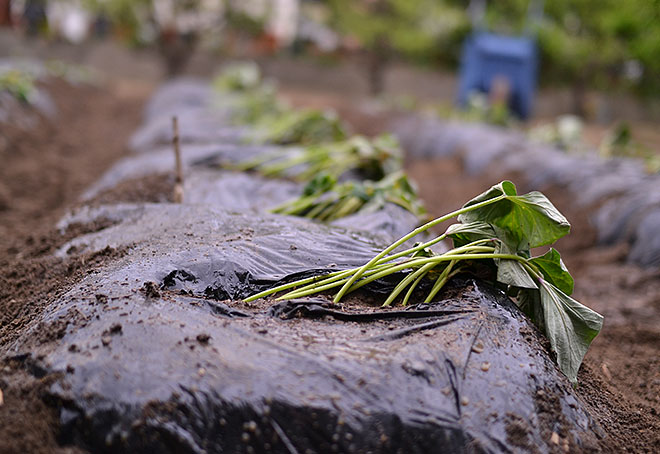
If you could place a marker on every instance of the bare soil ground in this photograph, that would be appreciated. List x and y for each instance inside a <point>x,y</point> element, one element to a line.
<point>45,170</point>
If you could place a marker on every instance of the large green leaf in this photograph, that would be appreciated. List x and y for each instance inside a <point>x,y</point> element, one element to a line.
<point>463,234</point>
<point>512,272</point>
<point>530,219</point>
<point>554,270</point>
<point>529,301</point>
<point>570,327</point>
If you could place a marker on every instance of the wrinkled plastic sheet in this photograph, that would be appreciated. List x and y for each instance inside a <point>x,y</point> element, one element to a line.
<point>161,161</point>
<point>204,183</point>
<point>183,93</point>
<point>618,219</point>
<point>160,359</point>
<point>390,223</point>
<point>646,250</point>
<point>202,236</point>
<point>196,126</point>
<point>479,145</point>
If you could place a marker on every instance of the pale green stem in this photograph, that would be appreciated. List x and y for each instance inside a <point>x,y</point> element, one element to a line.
<point>407,280</point>
<point>293,206</point>
<point>312,284</point>
<point>423,261</point>
<point>412,288</point>
<point>328,279</point>
<point>412,234</point>
<point>338,277</point>
<point>321,286</point>
<point>442,280</point>
<point>320,206</point>
<point>296,284</point>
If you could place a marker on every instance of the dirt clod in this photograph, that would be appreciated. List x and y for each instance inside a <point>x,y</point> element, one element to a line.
<point>203,338</point>
<point>151,290</point>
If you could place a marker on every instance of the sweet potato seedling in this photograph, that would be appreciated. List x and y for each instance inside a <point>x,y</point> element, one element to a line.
<point>326,200</point>
<point>499,228</point>
<point>369,158</point>
<point>19,84</point>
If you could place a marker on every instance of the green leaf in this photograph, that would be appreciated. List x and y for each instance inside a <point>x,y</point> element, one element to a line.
<point>463,234</point>
<point>509,272</point>
<point>529,302</point>
<point>426,252</point>
<point>530,219</point>
<point>554,270</point>
<point>512,272</point>
<point>322,182</point>
<point>570,327</point>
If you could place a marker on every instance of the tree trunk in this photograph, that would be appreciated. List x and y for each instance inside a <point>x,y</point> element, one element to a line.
<point>579,97</point>
<point>377,62</point>
<point>376,74</point>
<point>5,13</point>
<point>176,49</point>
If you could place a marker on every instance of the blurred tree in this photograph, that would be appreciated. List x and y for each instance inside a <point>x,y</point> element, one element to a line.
<point>174,25</point>
<point>603,44</point>
<point>5,13</point>
<point>127,17</point>
<point>415,29</point>
<point>35,17</point>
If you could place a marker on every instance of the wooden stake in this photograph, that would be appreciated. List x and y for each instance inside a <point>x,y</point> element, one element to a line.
<point>178,177</point>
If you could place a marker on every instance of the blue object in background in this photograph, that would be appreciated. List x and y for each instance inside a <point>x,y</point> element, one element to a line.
<point>487,57</point>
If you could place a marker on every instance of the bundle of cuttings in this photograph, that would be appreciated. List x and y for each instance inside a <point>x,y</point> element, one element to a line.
<point>496,231</point>
<point>480,109</point>
<point>299,127</point>
<point>238,77</point>
<point>19,84</point>
<point>253,106</point>
<point>566,133</point>
<point>368,158</point>
<point>326,200</point>
<point>620,143</point>
<point>73,73</point>
<point>246,95</point>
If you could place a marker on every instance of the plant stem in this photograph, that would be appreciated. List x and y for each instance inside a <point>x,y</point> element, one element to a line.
<point>178,175</point>
<point>422,261</point>
<point>412,234</point>
<point>442,280</point>
<point>326,284</point>
<point>447,256</point>
<point>289,285</point>
<point>407,280</point>
<point>412,288</point>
